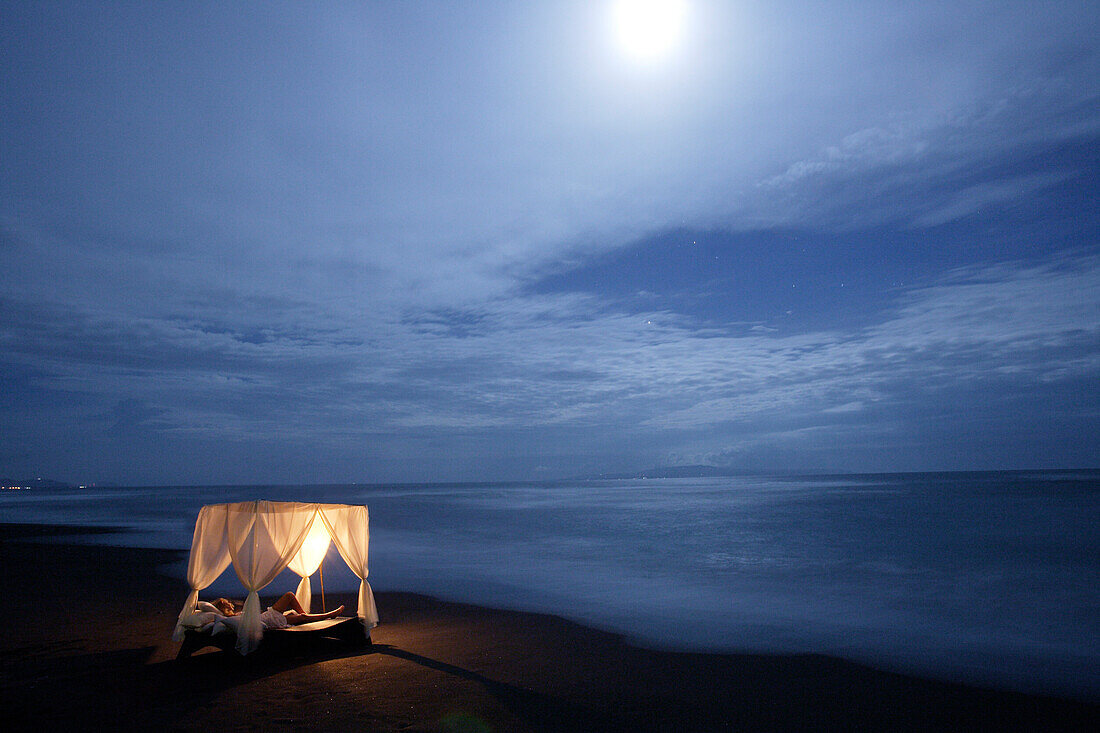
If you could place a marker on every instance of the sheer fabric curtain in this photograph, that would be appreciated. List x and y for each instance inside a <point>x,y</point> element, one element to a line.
<point>263,538</point>
<point>349,529</point>
<point>209,558</point>
<point>309,558</point>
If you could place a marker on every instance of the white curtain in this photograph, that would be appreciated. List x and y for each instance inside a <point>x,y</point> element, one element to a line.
<point>309,558</point>
<point>348,526</point>
<point>209,558</point>
<point>263,537</point>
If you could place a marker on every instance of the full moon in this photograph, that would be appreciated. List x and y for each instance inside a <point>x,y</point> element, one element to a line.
<point>648,29</point>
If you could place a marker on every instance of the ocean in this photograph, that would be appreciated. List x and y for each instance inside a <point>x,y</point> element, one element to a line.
<point>991,578</point>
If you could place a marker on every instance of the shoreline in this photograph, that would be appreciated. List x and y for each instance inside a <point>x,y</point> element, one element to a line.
<point>1007,669</point>
<point>94,650</point>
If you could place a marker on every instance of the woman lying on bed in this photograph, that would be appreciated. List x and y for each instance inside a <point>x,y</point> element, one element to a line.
<point>282,613</point>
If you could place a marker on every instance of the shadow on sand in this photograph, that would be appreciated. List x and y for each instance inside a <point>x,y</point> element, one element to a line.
<point>537,709</point>
<point>121,689</point>
<point>114,689</point>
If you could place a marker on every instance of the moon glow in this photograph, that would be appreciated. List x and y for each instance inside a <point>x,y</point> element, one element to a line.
<point>648,29</point>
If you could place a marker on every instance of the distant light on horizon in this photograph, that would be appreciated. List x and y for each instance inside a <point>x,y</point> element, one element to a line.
<point>648,30</point>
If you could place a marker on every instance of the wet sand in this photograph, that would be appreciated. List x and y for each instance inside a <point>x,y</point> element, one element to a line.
<point>87,647</point>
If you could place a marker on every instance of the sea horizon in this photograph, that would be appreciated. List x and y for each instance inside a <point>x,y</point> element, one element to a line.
<point>611,476</point>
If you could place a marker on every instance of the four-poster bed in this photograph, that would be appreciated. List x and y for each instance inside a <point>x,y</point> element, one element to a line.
<point>261,539</point>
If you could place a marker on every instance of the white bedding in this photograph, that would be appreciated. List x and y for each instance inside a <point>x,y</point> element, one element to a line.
<point>207,617</point>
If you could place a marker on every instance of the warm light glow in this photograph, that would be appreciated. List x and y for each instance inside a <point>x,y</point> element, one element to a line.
<point>317,541</point>
<point>648,29</point>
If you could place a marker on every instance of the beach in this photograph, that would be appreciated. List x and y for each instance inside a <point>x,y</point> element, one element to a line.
<point>88,647</point>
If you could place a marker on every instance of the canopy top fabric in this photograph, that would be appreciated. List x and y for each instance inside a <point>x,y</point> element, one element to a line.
<point>261,539</point>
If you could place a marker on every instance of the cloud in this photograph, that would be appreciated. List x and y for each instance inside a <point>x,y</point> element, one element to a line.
<point>245,169</point>
<point>928,170</point>
<point>129,415</point>
<point>865,149</point>
<point>564,360</point>
<point>972,199</point>
<point>321,228</point>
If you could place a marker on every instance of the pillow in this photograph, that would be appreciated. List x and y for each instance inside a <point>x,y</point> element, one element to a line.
<point>199,619</point>
<point>206,607</point>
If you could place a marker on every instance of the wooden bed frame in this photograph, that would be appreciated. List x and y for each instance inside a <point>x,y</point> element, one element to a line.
<point>342,628</point>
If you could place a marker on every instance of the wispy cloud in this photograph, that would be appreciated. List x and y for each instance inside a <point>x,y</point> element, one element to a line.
<point>565,362</point>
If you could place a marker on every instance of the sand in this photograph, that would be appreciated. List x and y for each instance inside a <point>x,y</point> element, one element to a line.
<point>78,653</point>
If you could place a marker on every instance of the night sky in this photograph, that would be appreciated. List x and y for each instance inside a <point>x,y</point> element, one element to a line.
<point>486,241</point>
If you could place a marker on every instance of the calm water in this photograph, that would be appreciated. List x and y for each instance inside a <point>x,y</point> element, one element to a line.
<point>989,577</point>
